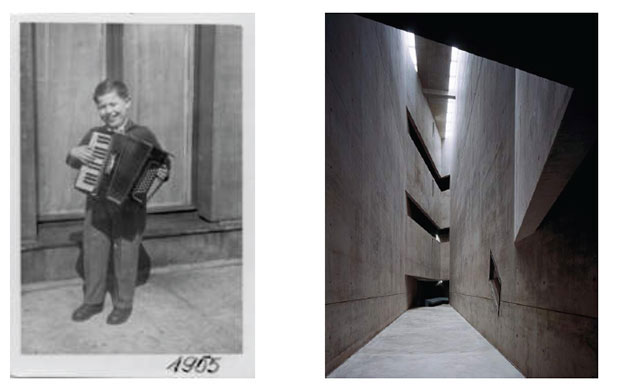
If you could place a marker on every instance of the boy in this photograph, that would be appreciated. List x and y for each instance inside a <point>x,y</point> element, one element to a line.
<point>107,226</point>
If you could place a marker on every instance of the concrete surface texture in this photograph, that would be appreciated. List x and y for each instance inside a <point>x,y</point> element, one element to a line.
<point>427,342</point>
<point>548,318</point>
<point>540,105</point>
<point>434,72</point>
<point>522,156</point>
<point>552,137</point>
<point>193,308</point>
<point>371,161</point>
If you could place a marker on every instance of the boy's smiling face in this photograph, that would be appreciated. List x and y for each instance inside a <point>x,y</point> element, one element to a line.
<point>113,109</point>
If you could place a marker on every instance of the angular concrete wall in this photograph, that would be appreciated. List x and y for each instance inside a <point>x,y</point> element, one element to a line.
<point>552,137</point>
<point>540,107</point>
<point>371,161</point>
<point>547,320</point>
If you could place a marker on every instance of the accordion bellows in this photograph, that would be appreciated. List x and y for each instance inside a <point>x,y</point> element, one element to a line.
<point>124,168</point>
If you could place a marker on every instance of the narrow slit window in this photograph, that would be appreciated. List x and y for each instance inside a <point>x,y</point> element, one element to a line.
<point>415,212</point>
<point>443,183</point>
<point>495,281</point>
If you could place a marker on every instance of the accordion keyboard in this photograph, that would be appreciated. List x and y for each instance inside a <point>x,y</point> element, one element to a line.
<point>89,175</point>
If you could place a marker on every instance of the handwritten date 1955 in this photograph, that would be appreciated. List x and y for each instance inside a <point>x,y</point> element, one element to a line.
<point>205,363</point>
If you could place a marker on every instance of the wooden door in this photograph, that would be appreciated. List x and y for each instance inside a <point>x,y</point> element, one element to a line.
<point>70,59</point>
<point>158,68</point>
<point>69,62</point>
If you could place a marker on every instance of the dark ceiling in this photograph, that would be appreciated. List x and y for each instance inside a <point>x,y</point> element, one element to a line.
<point>559,47</point>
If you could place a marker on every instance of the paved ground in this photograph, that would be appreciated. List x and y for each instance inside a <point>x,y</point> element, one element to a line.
<point>427,342</point>
<point>181,309</point>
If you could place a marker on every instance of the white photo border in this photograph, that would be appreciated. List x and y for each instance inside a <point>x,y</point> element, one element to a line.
<point>134,365</point>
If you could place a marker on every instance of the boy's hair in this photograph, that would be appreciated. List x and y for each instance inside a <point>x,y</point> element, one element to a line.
<point>108,86</point>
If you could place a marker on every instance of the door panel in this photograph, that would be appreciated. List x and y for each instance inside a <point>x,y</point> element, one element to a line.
<point>69,62</point>
<point>158,69</point>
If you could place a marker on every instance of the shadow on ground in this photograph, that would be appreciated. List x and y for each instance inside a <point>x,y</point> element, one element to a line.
<point>182,309</point>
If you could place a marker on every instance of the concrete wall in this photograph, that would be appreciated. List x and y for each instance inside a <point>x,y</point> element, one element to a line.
<point>552,137</point>
<point>371,243</point>
<point>547,321</point>
<point>540,107</point>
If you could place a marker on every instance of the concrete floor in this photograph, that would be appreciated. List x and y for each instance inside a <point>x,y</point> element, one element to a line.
<point>427,342</point>
<point>191,308</point>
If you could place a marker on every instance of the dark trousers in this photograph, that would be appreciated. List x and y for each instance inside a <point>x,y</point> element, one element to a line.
<point>111,230</point>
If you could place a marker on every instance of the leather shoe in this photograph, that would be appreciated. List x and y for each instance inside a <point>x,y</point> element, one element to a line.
<point>86,311</point>
<point>118,316</point>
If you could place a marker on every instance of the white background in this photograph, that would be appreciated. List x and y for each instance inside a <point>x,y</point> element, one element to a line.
<point>289,190</point>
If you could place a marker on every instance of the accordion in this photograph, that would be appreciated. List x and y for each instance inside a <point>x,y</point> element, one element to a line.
<point>124,168</point>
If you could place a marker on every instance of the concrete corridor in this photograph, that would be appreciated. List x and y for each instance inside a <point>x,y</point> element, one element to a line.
<point>427,342</point>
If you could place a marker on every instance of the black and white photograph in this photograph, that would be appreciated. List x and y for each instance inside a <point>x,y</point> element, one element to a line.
<point>132,186</point>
